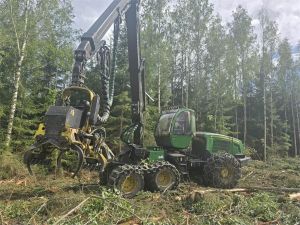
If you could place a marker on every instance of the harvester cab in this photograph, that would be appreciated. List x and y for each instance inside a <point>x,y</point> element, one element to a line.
<point>175,128</point>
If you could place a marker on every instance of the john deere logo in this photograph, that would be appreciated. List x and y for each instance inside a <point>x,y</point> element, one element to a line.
<point>72,112</point>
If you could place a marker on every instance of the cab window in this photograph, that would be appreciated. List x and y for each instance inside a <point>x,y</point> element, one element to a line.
<point>164,124</point>
<point>76,98</point>
<point>182,124</point>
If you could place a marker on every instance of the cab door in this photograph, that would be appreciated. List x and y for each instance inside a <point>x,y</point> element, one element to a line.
<point>183,129</point>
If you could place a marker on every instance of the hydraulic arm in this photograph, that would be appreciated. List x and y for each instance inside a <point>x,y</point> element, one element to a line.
<point>92,43</point>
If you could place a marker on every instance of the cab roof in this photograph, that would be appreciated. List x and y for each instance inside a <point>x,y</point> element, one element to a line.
<point>175,110</point>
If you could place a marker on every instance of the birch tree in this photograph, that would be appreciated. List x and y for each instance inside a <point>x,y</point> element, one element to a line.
<point>19,16</point>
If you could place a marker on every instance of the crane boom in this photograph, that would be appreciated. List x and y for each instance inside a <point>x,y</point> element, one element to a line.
<point>98,30</point>
<point>92,41</point>
<point>136,69</point>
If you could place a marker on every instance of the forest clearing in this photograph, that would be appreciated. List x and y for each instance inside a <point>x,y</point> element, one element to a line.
<point>45,200</point>
<point>166,112</point>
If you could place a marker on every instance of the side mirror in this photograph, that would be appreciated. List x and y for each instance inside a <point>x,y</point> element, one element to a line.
<point>95,107</point>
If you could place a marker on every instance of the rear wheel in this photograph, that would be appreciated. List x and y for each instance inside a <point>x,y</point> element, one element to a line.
<point>162,176</point>
<point>222,171</point>
<point>127,179</point>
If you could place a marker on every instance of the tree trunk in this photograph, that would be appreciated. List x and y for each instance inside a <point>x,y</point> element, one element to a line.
<point>298,125</point>
<point>188,80</point>
<point>245,100</point>
<point>15,96</point>
<point>159,64</point>
<point>272,120</point>
<point>159,85</point>
<point>294,127</point>
<point>265,118</point>
<point>245,117</point>
<point>121,129</point>
<point>215,119</point>
<point>236,108</point>
<point>183,57</point>
<point>263,85</point>
<point>17,76</point>
<point>173,80</point>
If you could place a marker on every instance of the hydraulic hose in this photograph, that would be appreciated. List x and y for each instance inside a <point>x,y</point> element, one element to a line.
<point>107,69</point>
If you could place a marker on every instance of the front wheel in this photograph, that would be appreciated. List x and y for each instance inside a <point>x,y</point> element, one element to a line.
<point>71,160</point>
<point>222,171</point>
<point>127,179</point>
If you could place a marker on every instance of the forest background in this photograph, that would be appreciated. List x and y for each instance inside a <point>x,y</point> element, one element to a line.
<point>241,81</point>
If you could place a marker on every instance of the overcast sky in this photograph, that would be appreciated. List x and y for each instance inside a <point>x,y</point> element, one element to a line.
<point>285,12</point>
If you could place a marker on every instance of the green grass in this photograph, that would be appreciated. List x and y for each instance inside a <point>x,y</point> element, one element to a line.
<point>46,200</point>
<point>11,166</point>
<point>276,173</point>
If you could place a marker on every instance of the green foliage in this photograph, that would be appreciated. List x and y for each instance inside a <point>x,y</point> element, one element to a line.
<point>192,59</point>
<point>120,119</point>
<point>262,206</point>
<point>10,166</point>
<point>48,58</point>
<point>235,209</point>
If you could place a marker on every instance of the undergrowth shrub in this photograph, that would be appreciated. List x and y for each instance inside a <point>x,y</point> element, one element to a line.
<point>11,166</point>
<point>262,207</point>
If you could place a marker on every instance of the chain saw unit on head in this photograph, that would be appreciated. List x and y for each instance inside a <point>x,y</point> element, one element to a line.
<point>76,125</point>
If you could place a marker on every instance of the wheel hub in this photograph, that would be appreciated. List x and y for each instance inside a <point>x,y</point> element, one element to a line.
<point>129,184</point>
<point>224,172</point>
<point>164,178</point>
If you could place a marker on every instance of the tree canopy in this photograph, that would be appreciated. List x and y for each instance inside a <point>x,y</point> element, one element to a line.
<point>240,82</point>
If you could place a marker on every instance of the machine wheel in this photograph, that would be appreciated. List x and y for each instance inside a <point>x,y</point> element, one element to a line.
<point>222,171</point>
<point>71,160</point>
<point>162,176</point>
<point>128,179</point>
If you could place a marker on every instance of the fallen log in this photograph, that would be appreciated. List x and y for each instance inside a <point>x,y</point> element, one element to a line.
<point>295,197</point>
<point>197,195</point>
<point>272,189</point>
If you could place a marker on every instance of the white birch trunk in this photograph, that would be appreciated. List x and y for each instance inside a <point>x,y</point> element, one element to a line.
<point>294,127</point>
<point>265,118</point>
<point>17,75</point>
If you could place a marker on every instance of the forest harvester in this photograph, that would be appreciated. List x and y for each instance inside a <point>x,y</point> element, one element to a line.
<point>76,124</point>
